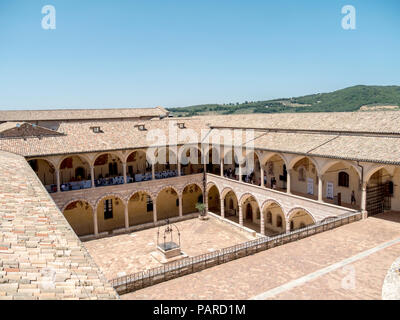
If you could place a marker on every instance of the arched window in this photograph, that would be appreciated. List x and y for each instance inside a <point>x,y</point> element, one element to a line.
<point>279,221</point>
<point>269,217</point>
<point>344,179</point>
<point>302,176</point>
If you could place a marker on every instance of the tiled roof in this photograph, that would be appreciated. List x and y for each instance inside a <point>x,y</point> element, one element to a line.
<point>80,114</point>
<point>337,135</point>
<point>383,122</point>
<point>40,255</point>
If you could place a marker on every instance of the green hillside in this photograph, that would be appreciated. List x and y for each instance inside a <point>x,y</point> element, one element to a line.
<point>348,99</point>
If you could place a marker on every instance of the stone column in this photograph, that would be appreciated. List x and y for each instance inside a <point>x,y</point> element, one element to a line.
<point>240,173</point>
<point>153,171</point>
<point>222,208</point>
<point>95,225</point>
<point>240,215</point>
<point>124,172</point>
<point>262,176</point>
<point>262,224</point>
<point>58,180</point>
<point>320,188</point>
<point>180,206</point>
<point>221,165</point>
<point>179,168</point>
<point>126,215</point>
<point>92,175</point>
<point>154,211</point>
<point>364,199</point>
<point>288,181</point>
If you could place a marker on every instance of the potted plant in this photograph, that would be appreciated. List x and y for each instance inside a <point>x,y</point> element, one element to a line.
<point>201,207</point>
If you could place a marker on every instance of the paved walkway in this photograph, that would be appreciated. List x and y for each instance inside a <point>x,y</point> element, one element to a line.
<point>366,244</point>
<point>131,253</point>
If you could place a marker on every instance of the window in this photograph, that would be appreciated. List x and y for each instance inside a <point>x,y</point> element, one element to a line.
<point>269,217</point>
<point>343,179</point>
<point>108,209</point>
<point>302,176</point>
<point>291,225</point>
<point>279,221</point>
<point>149,204</point>
<point>96,129</point>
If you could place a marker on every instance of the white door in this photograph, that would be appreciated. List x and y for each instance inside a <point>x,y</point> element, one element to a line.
<point>329,190</point>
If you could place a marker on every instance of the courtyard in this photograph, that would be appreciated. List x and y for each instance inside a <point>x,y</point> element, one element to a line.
<point>130,253</point>
<point>349,262</point>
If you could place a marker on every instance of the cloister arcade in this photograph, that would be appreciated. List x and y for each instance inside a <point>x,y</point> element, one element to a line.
<point>361,186</point>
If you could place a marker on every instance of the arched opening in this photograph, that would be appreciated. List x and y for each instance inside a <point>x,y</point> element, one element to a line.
<point>300,218</point>
<point>275,174</point>
<point>108,170</point>
<point>191,161</point>
<point>167,163</point>
<point>74,174</point>
<point>138,168</point>
<point>273,219</point>
<point>341,185</point>
<point>251,170</point>
<point>231,165</point>
<point>45,172</point>
<point>381,194</point>
<point>140,208</point>
<point>231,207</point>
<point>304,178</point>
<point>167,204</point>
<point>110,214</point>
<point>214,202</point>
<point>191,195</point>
<point>251,213</point>
<point>79,215</point>
<point>214,162</point>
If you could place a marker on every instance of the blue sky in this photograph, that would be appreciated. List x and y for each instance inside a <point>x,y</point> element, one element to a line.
<point>183,52</point>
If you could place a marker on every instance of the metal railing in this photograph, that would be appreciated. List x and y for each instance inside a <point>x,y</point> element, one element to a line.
<point>142,279</point>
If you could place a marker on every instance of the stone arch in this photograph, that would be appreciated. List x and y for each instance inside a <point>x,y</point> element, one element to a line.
<point>251,171</point>
<point>213,163</point>
<point>330,164</point>
<point>166,158</point>
<point>140,208</point>
<point>372,171</point>
<point>264,159</point>
<point>102,169</point>
<point>167,203</point>
<point>188,184</point>
<point>277,222</point>
<point>226,190</point>
<point>138,165</point>
<point>107,195</point>
<point>45,170</point>
<point>70,174</point>
<point>296,159</point>
<point>275,166</point>
<point>113,219</point>
<point>188,161</point>
<point>80,219</point>
<point>190,200</point>
<point>210,184</point>
<point>82,156</point>
<point>307,219</point>
<point>213,198</point>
